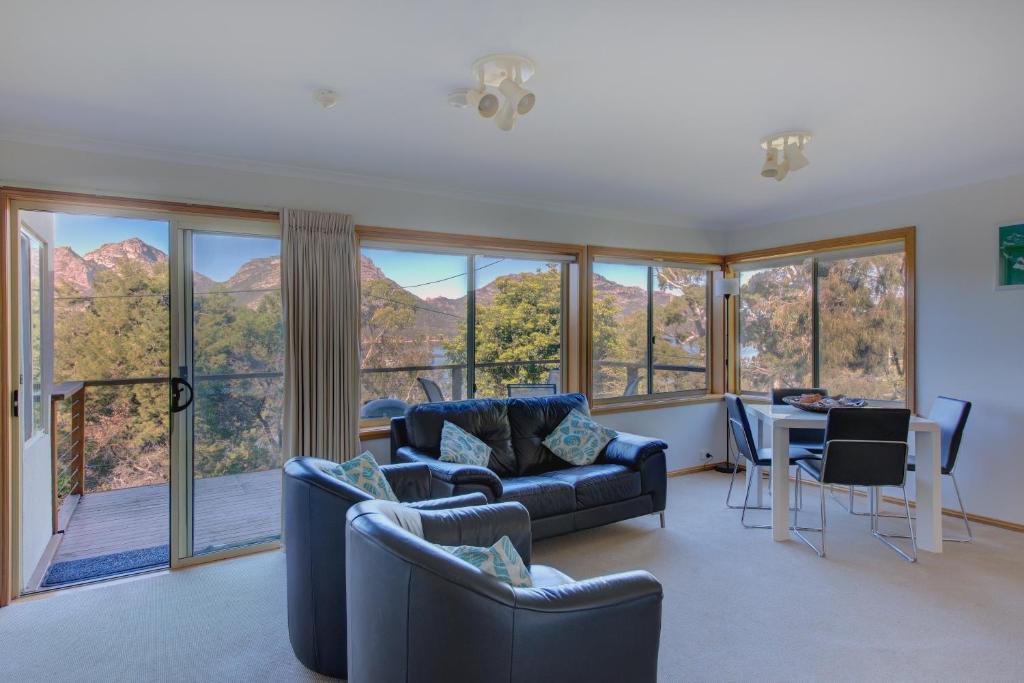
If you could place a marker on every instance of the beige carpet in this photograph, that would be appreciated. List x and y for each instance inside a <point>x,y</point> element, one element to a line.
<point>737,607</point>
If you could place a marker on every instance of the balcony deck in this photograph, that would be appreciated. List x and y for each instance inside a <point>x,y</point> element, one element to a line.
<point>229,510</point>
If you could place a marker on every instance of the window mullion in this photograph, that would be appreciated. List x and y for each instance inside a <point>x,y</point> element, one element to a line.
<point>471,326</point>
<point>815,326</point>
<point>650,329</point>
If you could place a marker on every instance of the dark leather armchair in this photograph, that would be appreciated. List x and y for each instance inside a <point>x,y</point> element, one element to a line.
<point>419,615</point>
<point>627,480</point>
<point>315,505</point>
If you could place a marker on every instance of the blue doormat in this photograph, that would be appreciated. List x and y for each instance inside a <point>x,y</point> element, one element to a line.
<point>87,568</point>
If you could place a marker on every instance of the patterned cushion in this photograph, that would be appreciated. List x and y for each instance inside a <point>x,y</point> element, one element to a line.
<point>364,473</point>
<point>579,440</point>
<point>501,560</point>
<point>459,446</point>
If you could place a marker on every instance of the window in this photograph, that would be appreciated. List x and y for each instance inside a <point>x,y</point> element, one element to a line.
<point>648,329</point>
<point>836,319</point>
<point>775,327</point>
<point>442,326</point>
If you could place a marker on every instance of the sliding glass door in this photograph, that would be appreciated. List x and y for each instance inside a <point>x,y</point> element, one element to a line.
<point>229,348</point>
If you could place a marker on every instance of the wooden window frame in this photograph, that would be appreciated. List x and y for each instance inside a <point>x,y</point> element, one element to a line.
<point>573,303</point>
<point>905,236</point>
<point>663,399</point>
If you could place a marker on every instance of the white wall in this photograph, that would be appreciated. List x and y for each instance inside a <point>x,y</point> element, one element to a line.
<point>969,336</point>
<point>687,430</point>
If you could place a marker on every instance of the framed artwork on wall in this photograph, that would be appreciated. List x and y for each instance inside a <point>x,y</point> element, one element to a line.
<point>1010,257</point>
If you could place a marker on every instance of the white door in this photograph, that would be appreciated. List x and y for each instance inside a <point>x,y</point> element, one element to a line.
<point>35,378</point>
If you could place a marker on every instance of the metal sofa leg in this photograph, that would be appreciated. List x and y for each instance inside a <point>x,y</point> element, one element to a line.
<point>662,515</point>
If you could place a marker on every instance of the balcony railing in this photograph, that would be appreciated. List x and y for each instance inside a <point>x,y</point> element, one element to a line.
<point>456,386</point>
<point>70,445</point>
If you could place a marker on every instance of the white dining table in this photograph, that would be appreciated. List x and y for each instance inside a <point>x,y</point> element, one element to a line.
<point>778,420</point>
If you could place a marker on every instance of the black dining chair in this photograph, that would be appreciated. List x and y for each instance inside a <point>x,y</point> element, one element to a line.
<point>739,428</point>
<point>430,388</point>
<point>863,447</point>
<point>951,416</point>
<point>812,440</point>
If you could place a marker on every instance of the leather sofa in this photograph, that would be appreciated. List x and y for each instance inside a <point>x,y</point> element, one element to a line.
<point>627,480</point>
<point>315,505</point>
<point>416,614</point>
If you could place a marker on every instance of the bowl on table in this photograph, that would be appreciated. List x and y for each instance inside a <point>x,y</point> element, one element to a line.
<point>816,403</point>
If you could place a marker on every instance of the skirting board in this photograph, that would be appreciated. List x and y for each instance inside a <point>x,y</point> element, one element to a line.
<point>980,519</point>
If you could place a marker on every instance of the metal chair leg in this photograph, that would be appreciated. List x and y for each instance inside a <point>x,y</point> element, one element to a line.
<point>796,528</point>
<point>743,515</point>
<point>728,496</point>
<point>963,513</point>
<point>884,538</point>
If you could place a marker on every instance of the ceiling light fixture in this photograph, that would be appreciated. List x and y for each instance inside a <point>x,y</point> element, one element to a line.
<point>505,74</point>
<point>325,98</point>
<point>791,145</point>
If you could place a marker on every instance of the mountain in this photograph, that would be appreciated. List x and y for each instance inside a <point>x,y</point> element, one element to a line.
<point>629,299</point>
<point>79,272</point>
<point>134,249</point>
<point>71,269</point>
<point>252,280</point>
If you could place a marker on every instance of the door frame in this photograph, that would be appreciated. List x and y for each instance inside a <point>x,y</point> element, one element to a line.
<point>56,200</point>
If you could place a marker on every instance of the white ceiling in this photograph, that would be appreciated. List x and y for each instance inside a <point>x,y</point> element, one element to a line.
<point>651,110</point>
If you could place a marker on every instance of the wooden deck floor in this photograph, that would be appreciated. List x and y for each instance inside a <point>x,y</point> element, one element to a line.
<point>229,510</point>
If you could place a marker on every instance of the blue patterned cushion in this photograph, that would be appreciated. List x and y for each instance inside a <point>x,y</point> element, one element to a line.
<point>364,473</point>
<point>459,446</point>
<point>501,560</point>
<point>579,440</point>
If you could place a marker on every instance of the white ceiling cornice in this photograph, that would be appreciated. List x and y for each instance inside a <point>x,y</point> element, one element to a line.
<point>167,155</point>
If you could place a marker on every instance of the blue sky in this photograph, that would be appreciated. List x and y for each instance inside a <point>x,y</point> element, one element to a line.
<point>630,276</point>
<point>216,256</point>
<point>408,268</point>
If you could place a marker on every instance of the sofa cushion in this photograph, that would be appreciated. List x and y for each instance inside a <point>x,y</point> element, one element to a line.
<point>486,419</point>
<point>364,473</point>
<point>532,419</point>
<point>596,485</point>
<point>461,447</point>
<point>541,496</point>
<point>544,576</point>
<point>501,560</point>
<point>579,440</point>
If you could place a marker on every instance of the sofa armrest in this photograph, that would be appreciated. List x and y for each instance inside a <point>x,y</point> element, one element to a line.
<point>464,501</point>
<point>409,481</point>
<point>632,450</point>
<point>596,593</point>
<point>646,456</point>
<point>458,479</point>
<point>482,526</point>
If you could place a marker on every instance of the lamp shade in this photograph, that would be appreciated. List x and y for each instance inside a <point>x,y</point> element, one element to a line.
<point>771,163</point>
<point>519,98</point>
<point>795,157</point>
<point>485,103</point>
<point>727,286</point>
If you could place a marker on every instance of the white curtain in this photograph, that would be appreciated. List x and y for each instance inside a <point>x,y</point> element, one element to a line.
<point>320,287</point>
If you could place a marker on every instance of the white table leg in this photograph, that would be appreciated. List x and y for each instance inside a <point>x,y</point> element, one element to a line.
<point>780,483</point>
<point>928,491</point>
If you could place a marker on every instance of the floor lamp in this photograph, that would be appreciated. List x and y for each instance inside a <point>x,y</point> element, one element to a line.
<point>726,287</point>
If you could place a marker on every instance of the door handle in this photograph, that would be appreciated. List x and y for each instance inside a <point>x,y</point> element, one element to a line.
<point>178,385</point>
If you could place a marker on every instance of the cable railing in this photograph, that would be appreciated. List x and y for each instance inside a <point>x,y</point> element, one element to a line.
<point>69,443</point>
<point>67,446</point>
<point>458,371</point>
